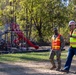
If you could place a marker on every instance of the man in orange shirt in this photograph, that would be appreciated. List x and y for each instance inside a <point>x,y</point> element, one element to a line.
<point>57,45</point>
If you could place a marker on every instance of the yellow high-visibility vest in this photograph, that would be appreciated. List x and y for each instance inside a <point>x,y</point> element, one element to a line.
<point>73,40</point>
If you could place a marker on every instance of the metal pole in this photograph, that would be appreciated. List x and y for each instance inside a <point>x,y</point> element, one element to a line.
<point>26,28</point>
<point>12,20</point>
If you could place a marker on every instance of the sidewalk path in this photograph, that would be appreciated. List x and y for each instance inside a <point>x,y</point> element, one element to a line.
<point>32,68</point>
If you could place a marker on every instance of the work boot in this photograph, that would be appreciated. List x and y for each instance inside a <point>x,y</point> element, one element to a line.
<point>58,69</point>
<point>59,66</point>
<point>66,71</point>
<point>74,72</point>
<point>53,67</point>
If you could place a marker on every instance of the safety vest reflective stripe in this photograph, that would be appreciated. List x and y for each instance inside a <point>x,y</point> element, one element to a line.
<point>73,43</point>
<point>73,40</point>
<point>56,47</point>
<point>56,43</point>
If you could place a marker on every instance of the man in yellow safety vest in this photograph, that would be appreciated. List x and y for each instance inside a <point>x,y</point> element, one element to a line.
<point>72,49</point>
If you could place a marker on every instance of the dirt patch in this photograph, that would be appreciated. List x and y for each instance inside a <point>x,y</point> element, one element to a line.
<point>28,68</point>
<point>33,68</point>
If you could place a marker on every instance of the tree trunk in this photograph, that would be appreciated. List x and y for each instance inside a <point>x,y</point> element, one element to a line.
<point>39,30</point>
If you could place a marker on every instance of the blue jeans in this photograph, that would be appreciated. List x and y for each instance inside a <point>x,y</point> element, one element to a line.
<point>71,53</point>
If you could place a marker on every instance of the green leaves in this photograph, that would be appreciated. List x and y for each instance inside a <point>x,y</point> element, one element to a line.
<point>40,16</point>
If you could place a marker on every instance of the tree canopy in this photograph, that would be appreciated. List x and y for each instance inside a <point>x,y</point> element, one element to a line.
<point>39,17</point>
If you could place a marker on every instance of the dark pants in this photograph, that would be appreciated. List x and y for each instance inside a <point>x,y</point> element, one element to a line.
<point>71,53</point>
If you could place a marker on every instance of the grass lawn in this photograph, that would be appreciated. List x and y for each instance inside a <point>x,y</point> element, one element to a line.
<point>32,56</point>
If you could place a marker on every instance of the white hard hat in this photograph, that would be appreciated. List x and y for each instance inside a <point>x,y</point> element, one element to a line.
<point>72,22</point>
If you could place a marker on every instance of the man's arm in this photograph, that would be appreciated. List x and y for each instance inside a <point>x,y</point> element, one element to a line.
<point>62,42</point>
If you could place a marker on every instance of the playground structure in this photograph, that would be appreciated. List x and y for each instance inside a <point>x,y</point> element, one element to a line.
<point>16,29</point>
<point>7,46</point>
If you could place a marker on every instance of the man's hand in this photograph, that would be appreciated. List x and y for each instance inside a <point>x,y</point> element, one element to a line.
<point>70,35</point>
<point>73,36</point>
<point>63,49</point>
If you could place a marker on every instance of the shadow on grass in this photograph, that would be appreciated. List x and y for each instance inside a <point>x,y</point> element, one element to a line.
<point>34,59</point>
<point>35,56</point>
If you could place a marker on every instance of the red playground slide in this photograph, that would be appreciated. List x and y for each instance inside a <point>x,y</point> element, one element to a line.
<point>16,29</point>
